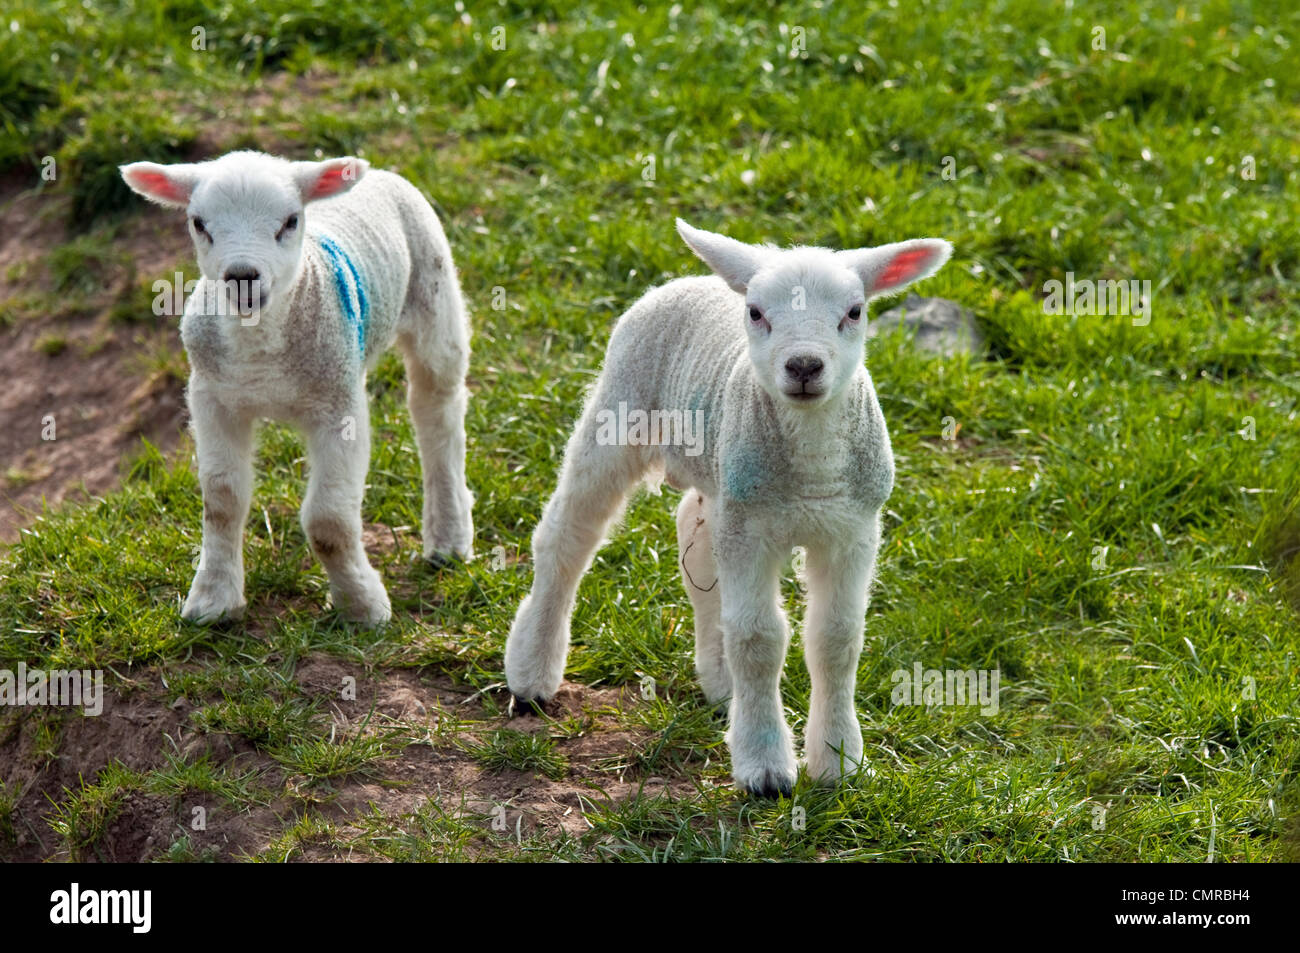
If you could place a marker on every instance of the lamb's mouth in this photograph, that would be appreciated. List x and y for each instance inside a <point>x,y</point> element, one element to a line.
<point>803,396</point>
<point>243,307</point>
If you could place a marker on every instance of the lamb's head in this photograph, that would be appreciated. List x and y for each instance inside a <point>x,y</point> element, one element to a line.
<point>805,308</point>
<point>246,214</point>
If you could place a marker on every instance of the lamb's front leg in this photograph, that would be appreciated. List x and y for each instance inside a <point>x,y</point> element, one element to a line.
<point>594,483</point>
<point>755,635</point>
<point>338,452</point>
<point>224,447</point>
<point>838,579</point>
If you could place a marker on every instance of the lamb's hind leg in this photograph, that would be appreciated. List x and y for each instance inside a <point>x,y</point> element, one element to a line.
<point>594,483</point>
<point>700,576</point>
<point>437,397</point>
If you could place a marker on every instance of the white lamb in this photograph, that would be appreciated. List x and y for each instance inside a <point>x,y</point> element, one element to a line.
<point>795,453</point>
<point>294,306</point>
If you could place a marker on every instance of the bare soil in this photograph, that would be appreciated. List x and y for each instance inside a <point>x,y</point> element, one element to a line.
<point>98,391</point>
<point>138,729</point>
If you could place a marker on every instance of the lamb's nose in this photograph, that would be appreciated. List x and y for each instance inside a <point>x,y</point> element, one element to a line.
<point>241,273</point>
<point>803,369</point>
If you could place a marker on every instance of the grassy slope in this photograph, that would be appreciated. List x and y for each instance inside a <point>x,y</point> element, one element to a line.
<point>1123,687</point>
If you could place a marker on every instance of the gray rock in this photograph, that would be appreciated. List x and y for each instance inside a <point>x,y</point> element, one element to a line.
<point>934,324</point>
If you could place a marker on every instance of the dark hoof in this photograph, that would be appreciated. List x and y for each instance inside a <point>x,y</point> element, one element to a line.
<point>770,788</point>
<point>526,706</point>
<point>441,560</point>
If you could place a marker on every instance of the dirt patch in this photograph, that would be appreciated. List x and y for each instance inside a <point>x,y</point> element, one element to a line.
<point>47,755</point>
<point>507,803</point>
<point>79,393</point>
<point>437,722</point>
<point>133,833</point>
<point>148,825</point>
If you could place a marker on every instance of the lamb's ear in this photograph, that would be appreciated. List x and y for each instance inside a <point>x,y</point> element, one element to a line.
<point>170,185</point>
<point>889,268</point>
<point>732,261</point>
<point>320,180</point>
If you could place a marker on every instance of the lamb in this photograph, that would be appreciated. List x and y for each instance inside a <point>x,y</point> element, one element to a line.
<point>310,271</point>
<point>795,453</point>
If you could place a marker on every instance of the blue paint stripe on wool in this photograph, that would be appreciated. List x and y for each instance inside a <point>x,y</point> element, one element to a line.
<point>352,292</point>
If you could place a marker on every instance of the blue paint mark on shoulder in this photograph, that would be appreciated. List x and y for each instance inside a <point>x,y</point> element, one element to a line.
<point>743,472</point>
<point>351,289</point>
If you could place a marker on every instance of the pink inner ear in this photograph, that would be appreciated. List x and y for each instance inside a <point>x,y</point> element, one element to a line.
<point>902,268</point>
<point>331,182</point>
<point>156,183</point>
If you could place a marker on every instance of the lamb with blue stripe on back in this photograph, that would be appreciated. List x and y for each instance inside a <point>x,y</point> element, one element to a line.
<point>769,352</point>
<point>310,272</point>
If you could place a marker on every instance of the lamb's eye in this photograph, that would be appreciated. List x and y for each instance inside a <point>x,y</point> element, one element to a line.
<point>855,312</point>
<point>755,315</point>
<point>198,226</point>
<point>289,225</point>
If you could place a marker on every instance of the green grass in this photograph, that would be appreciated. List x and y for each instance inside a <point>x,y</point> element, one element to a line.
<point>329,758</point>
<point>519,751</point>
<point>51,345</point>
<point>82,817</point>
<point>1149,701</point>
<point>8,808</point>
<point>182,851</point>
